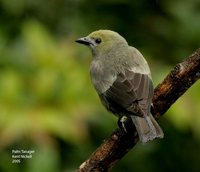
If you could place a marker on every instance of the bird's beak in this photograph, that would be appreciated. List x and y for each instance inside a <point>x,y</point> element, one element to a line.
<point>84,40</point>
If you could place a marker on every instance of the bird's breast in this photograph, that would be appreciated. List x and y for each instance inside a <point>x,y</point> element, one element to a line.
<point>101,76</point>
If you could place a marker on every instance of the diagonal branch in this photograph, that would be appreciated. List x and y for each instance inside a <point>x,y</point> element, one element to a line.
<point>182,77</point>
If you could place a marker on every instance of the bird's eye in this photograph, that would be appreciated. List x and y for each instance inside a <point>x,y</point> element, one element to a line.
<point>98,40</point>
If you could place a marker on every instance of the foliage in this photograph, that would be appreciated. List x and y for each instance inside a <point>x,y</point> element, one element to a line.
<point>47,102</point>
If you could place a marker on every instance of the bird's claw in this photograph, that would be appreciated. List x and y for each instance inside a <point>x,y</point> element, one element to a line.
<point>121,123</point>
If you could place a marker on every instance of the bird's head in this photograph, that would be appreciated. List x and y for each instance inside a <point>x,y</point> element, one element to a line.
<point>103,41</point>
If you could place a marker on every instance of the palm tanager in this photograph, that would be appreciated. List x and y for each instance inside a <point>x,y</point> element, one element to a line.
<point>122,79</point>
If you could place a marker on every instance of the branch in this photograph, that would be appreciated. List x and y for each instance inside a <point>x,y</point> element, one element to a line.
<point>182,77</point>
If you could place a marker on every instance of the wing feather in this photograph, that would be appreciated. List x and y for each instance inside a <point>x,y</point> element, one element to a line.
<point>130,93</point>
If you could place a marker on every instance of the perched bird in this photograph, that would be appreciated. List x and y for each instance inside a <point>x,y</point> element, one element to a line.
<point>122,79</point>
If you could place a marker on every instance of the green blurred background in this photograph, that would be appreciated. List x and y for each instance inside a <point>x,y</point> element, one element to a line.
<point>47,102</point>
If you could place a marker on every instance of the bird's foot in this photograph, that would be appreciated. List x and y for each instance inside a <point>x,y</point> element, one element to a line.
<point>121,123</point>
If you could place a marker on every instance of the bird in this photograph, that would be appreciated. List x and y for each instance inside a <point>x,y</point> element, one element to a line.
<point>122,79</point>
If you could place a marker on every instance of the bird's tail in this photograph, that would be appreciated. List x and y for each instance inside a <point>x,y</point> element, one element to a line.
<point>147,128</point>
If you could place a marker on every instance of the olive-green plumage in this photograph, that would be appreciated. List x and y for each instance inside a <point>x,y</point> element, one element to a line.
<point>122,79</point>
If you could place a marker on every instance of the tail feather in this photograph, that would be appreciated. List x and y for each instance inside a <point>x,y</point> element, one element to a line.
<point>147,128</point>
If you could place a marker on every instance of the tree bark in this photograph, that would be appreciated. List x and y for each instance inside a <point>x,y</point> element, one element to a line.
<point>177,82</point>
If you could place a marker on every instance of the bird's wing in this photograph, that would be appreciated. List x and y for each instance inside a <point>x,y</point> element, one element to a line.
<point>129,90</point>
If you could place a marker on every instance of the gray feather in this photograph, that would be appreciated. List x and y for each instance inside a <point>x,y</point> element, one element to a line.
<point>129,96</point>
